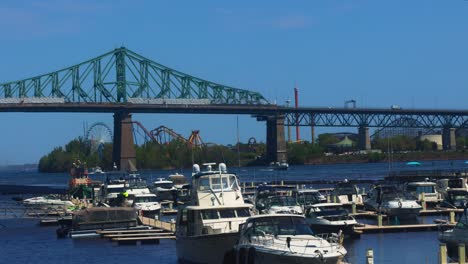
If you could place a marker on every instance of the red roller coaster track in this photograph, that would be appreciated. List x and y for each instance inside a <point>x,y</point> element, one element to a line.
<point>164,135</point>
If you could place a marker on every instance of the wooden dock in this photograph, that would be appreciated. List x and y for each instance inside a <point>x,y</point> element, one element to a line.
<point>168,226</point>
<point>399,228</point>
<point>149,236</point>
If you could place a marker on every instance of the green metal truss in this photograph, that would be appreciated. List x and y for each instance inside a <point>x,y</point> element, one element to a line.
<point>121,74</point>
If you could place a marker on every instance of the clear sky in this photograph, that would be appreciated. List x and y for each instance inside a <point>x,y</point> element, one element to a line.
<point>410,53</point>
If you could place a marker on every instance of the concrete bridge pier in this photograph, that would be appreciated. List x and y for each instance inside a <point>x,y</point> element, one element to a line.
<point>276,144</point>
<point>364,142</point>
<point>448,138</point>
<point>123,152</point>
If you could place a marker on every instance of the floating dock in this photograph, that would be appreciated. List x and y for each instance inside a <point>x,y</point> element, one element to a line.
<point>400,228</point>
<point>149,236</point>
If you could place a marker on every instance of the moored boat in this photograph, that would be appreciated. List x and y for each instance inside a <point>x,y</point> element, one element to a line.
<point>285,238</point>
<point>330,218</point>
<point>389,200</point>
<point>208,227</point>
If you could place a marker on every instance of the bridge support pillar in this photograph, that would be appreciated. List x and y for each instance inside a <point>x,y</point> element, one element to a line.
<point>123,154</point>
<point>276,144</point>
<point>364,142</point>
<point>448,138</point>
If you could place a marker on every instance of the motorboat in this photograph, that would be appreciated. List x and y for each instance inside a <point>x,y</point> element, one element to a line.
<point>135,185</point>
<point>283,205</point>
<point>455,198</point>
<point>307,197</point>
<point>265,192</point>
<point>110,191</point>
<point>164,189</point>
<point>347,193</point>
<point>458,235</point>
<point>49,201</point>
<point>443,185</point>
<point>424,190</point>
<point>207,227</point>
<point>146,204</point>
<point>283,165</point>
<point>330,218</point>
<point>389,200</point>
<point>285,238</point>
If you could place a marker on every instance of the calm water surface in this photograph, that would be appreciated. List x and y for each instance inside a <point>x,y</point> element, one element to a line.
<point>23,241</point>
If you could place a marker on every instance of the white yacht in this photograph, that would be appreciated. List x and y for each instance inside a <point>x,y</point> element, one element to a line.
<point>307,197</point>
<point>110,191</point>
<point>146,204</point>
<point>283,165</point>
<point>330,218</point>
<point>272,239</point>
<point>207,228</point>
<point>283,205</point>
<point>457,235</point>
<point>431,195</point>
<point>164,189</point>
<point>135,185</point>
<point>47,202</point>
<point>347,193</point>
<point>390,201</point>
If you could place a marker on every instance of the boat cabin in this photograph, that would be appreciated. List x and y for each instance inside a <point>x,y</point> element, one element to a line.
<point>426,189</point>
<point>306,197</point>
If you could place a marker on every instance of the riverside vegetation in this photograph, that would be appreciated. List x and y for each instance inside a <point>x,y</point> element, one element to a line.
<point>177,154</point>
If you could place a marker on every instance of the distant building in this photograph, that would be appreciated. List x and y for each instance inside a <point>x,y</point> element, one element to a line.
<point>437,139</point>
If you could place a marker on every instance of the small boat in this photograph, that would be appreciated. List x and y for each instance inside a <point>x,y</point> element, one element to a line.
<point>283,205</point>
<point>413,163</point>
<point>455,198</point>
<point>146,204</point>
<point>307,197</point>
<point>426,189</point>
<point>458,235</point>
<point>389,200</point>
<point>347,193</point>
<point>49,201</point>
<point>208,227</point>
<point>285,238</point>
<point>283,165</point>
<point>330,218</point>
<point>265,192</point>
<point>164,189</point>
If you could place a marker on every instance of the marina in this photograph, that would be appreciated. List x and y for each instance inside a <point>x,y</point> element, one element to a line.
<point>160,231</point>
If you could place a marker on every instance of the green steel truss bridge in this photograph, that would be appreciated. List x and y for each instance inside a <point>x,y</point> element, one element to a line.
<point>123,82</point>
<point>122,76</point>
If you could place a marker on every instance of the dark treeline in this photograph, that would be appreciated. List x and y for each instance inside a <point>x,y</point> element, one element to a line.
<point>178,154</point>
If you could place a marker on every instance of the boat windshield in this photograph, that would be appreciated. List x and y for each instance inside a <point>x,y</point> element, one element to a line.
<point>147,199</point>
<point>458,196</point>
<point>387,196</point>
<point>282,225</point>
<point>137,183</point>
<point>164,185</point>
<point>283,201</point>
<point>420,189</point>
<point>308,198</point>
<point>218,183</point>
<point>115,189</point>
<point>345,189</point>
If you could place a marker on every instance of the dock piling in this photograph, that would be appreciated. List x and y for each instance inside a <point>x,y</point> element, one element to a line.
<point>370,256</point>
<point>461,253</point>
<point>443,253</point>
<point>379,220</point>
<point>452,217</point>
<point>353,208</point>
<point>423,202</point>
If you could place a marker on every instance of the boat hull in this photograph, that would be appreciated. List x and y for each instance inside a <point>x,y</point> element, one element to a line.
<point>264,256</point>
<point>206,249</point>
<point>402,213</point>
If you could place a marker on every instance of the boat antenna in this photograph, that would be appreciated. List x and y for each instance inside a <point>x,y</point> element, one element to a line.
<point>238,144</point>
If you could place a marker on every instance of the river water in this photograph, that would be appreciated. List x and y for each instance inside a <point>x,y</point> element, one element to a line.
<point>23,241</point>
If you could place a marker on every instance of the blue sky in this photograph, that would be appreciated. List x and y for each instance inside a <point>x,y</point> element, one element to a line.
<point>410,53</point>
